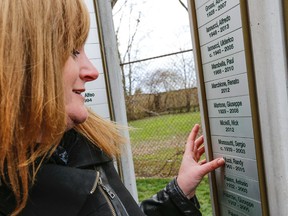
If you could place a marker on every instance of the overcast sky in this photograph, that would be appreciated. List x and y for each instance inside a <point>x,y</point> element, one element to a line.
<point>163,28</point>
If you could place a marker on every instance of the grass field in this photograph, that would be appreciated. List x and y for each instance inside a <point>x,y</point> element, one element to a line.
<point>165,126</point>
<point>158,143</point>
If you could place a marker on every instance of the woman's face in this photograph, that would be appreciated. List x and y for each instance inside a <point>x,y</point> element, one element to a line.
<point>77,71</point>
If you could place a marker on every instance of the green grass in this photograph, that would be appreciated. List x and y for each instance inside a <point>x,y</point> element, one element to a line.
<point>148,187</point>
<point>161,153</point>
<point>165,126</point>
<point>158,142</point>
<point>203,195</point>
<point>165,162</point>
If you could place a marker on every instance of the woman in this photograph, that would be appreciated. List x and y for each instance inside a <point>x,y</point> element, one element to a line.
<point>55,156</point>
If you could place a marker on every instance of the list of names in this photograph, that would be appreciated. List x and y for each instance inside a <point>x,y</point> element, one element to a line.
<point>224,66</point>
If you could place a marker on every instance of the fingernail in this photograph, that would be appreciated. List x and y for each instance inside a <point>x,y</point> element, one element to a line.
<point>221,161</point>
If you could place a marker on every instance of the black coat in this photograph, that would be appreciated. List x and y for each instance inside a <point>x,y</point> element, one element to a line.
<point>80,180</point>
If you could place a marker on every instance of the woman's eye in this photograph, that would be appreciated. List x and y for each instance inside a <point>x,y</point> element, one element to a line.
<point>75,53</point>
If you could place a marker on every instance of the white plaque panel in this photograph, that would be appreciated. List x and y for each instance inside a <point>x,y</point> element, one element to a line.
<point>94,97</point>
<point>93,37</point>
<point>239,166</point>
<point>98,65</point>
<point>244,186</point>
<point>229,107</point>
<point>222,47</point>
<point>93,51</point>
<point>243,204</point>
<point>228,87</point>
<point>225,211</point>
<point>239,147</point>
<point>99,83</point>
<point>102,110</point>
<point>95,94</point>
<point>238,127</point>
<point>225,67</point>
<point>90,5</point>
<point>213,9</point>
<point>226,23</point>
<point>93,22</point>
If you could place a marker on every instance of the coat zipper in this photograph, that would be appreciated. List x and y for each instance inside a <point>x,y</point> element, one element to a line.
<point>105,191</point>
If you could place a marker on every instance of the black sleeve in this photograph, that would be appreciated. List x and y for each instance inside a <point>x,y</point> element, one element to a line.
<point>171,202</point>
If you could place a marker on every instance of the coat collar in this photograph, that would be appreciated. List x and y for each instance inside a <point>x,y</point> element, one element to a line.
<point>81,152</point>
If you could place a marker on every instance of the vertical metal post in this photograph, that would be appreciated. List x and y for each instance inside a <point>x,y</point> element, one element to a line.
<point>270,63</point>
<point>107,34</point>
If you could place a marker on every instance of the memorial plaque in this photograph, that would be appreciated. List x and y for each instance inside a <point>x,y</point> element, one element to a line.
<point>227,45</point>
<point>95,97</point>
<point>218,27</point>
<point>225,67</point>
<point>225,211</point>
<point>227,87</point>
<point>240,166</point>
<point>226,78</point>
<point>244,186</point>
<point>229,107</point>
<point>239,147</point>
<point>232,127</point>
<point>212,9</point>
<point>240,203</point>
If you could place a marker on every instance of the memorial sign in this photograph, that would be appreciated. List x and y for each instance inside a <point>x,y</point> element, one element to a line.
<point>223,56</point>
<point>97,94</point>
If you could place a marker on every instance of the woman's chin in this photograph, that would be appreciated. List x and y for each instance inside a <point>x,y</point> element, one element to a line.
<point>76,118</point>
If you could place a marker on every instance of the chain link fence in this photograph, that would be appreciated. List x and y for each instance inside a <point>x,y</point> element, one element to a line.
<point>162,107</point>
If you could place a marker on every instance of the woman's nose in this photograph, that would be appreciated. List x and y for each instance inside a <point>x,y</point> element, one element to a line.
<point>88,71</point>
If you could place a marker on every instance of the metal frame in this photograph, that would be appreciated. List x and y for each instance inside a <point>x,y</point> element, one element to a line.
<point>116,101</point>
<point>253,101</point>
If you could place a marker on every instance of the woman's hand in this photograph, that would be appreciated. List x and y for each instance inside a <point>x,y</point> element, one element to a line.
<point>191,170</point>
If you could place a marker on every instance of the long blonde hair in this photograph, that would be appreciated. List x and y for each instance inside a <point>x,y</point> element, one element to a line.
<point>36,39</point>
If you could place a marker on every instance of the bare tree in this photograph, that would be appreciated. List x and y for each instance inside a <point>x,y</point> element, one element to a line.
<point>162,81</point>
<point>184,65</point>
<point>130,52</point>
<point>113,2</point>
<point>182,3</point>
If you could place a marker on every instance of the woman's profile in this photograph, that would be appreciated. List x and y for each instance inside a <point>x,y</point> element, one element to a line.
<point>55,155</point>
